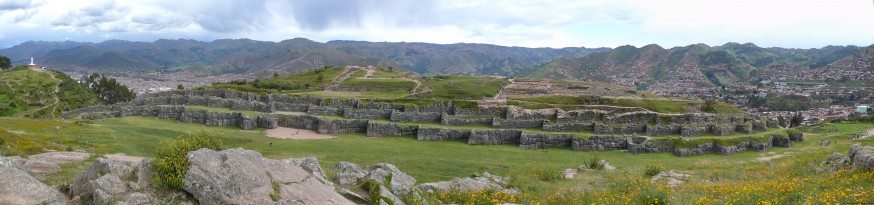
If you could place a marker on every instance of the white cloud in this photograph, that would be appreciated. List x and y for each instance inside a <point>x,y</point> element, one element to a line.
<point>560,23</point>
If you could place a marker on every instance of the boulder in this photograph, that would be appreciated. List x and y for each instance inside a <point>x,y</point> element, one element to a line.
<point>863,158</point>
<point>60,157</point>
<point>400,181</point>
<point>569,173</point>
<point>347,173</point>
<point>672,178</point>
<point>239,176</point>
<point>234,176</point>
<point>476,182</point>
<point>40,168</point>
<point>18,187</point>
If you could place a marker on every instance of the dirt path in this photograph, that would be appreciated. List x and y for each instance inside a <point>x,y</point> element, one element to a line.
<point>348,71</point>
<point>54,104</point>
<point>370,71</point>
<point>295,134</point>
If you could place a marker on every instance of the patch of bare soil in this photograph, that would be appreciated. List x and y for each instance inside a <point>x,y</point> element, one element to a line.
<point>773,156</point>
<point>295,134</point>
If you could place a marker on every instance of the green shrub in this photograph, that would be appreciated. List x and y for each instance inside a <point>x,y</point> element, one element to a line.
<point>171,157</point>
<point>652,169</point>
<point>594,162</point>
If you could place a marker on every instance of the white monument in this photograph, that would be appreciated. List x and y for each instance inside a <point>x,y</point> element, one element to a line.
<point>31,61</point>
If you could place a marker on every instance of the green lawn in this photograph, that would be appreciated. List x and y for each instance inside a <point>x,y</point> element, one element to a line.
<point>380,88</point>
<point>465,87</point>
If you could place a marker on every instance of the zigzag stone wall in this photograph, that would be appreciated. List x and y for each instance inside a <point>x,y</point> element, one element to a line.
<point>439,134</point>
<point>535,141</point>
<point>375,129</point>
<point>450,120</point>
<point>494,137</point>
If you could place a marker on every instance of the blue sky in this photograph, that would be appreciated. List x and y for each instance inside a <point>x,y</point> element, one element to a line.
<point>559,23</point>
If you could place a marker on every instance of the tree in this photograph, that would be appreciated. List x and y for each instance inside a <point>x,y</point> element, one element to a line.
<point>781,121</point>
<point>5,63</point>
<point>275,74</point>
<point>107,89</point>
<point>180,87</point>
<point>796,120</point>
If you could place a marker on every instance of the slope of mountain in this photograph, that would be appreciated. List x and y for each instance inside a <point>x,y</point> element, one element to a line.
<point>40,93</point>
<point>294,55</point>
<point>656,69</point>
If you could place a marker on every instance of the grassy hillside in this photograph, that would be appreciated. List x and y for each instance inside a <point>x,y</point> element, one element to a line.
<point>25,92</point>
<point>312,80</point>
<point>465,87</point>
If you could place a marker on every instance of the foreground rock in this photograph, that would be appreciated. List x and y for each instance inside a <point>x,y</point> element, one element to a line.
<point>672,178</point>
<point>476,182</point>
<point>857,157</point>
<point>238,176</point>
<point>111,180</point>
<point>18,187</point>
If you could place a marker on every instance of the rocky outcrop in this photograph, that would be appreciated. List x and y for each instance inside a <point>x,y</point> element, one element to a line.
<point>18,187</point>
<point>863,157</point>
<point>474,183</point>
<point>238,176</point>
<point>119,180</point>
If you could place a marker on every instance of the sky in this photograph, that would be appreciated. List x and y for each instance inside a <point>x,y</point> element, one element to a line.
<point>526,23</point>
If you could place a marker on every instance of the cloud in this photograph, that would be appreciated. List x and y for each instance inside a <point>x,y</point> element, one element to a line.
<point>558,23</point>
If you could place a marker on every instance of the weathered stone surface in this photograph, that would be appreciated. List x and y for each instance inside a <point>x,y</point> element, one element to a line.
<point>477,182</point>
<point>400,181</point>
<point>781,141</point>
<point>672,178</point>
<point>650,146</point>
<point>413,116</point>
<point>514,112</point>
<point>569,127</point>
<point>60,157</point>
<point>234,176</point>
<point>324,110</point>
<point>863,158</point>
<point>568,173</point>
<point>619,128</point>
<point>599,143</point>
<point>367,113</point>
<point>534,141</point>
<point>693,129</point>
<point>138,199</point>
<point>577,116</point>
<point>493,137</point>
<point>376,129</point>
<point>18,187</point>
<point>440,134</point>
<point>341,126</point>
<point>482,112</point>
<point>659,129</point>
<point>449,120</point>
<point>39,168</point>
<point>347,173</point>
<point>518,123</point>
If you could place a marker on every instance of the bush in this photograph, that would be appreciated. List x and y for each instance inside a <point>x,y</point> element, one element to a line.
<point>652,169</point>
<point>171,157</point>
<point>594,163</point>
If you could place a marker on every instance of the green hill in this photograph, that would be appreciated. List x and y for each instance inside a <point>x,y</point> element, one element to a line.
<point>30,93</point>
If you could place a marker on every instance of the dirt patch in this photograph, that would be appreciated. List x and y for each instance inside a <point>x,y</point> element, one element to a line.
<point>769,158</point>
<point>295,134</point>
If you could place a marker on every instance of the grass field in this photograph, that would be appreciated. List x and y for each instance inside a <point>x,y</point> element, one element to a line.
<point>465,87</point>
<point>380,88</point>
<point>428,161</point>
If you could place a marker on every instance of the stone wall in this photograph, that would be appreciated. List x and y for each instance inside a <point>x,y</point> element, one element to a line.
<point>569,127</point>
<point>517,123</point>
<point>600,143</point>
<point>514,112</point>
<point>440,134</point>
<point>367,113</point>
<point>494,137</point>
<point>651,146</point>
<point>341,103</point>
<point>692,130</point>
<point>483,112</point>
<point>662,129</point>
<point>580,116</point>
<point>450,120</point>
<point>620,128</point>
<point>324,110</point>
<point>538,141</point>
<point>376,129</point>
<point>299,122</point>
<point>632,118</point>
<point>380,106</point>
<point>341,126</point>
<point>438,108</point>
<point>290,107</point>
<point>722,129</point>
<point>413,116</point>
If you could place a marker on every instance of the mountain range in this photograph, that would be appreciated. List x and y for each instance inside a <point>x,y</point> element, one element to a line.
<point>289,56</point>
<point>655,68</point>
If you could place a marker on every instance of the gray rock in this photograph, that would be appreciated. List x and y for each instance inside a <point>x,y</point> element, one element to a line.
<point>109,184</point>
<point>347,173</point>
<point>864,158</point>
<point>234,176</point>
<point>18,187</point>
<point>61,157</point>
<point>144,173</point>
<point>672,178</point>
<point>400,181</point>
<point>40,168</point>
<point>388,194</point>
<point>477,182</point>
<point>569,173</point>
<point>138,199</point>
